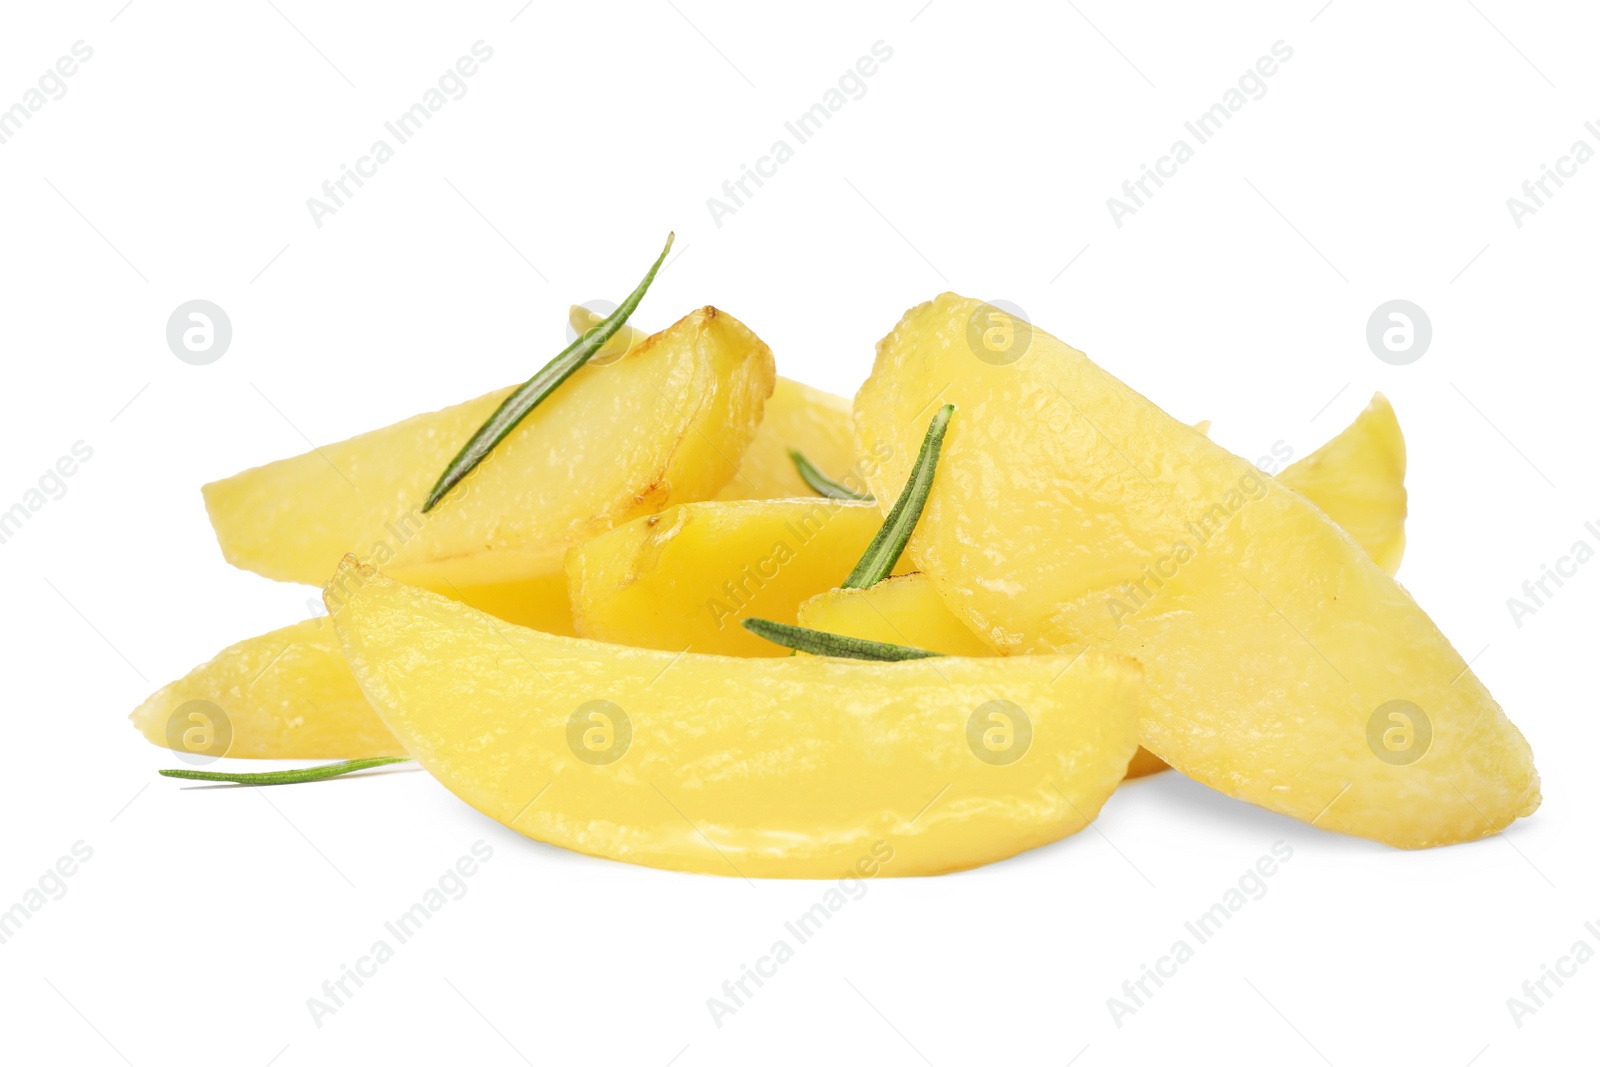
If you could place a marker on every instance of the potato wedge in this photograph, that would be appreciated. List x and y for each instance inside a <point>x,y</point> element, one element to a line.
<point>666,423</point>
<point>1358,476</point>
<point>658,584</point>
<point>1358,473</point>
<point>1282,665</point>
<point>683,579</point>
<point>1359,480</point>
<point>901,610</point>
<point>906,610</point>
<point>796,767</point>
<point>796,416</point>
<point>672,581</point>
<point>287,694</point>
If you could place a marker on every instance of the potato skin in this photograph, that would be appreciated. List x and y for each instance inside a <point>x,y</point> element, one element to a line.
<point>288,694</point>
<point>1270,639</point>
<point>790,767</point>
<point>666,423</point>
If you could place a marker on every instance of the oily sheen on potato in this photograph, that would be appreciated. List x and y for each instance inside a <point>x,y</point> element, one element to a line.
<point>1358,478</point>
<point>665,423</point>
<point>286,694</point>
<point>901,610</point>
<point>289,694</point>
<point>1282,665</point>
<point>793,767</point>
<point>683,579</point>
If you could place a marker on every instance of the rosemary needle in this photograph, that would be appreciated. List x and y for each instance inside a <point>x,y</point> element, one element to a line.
<point>532,392</point>
<point>821,643</point>
<point>877,563</point>
<point>289,777</point>
<point>821,483</point>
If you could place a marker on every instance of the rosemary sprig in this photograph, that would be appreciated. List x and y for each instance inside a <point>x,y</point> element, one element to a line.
<point>821,643</point>
<point>884,552</point>
<point>532,392</point>
<point>821,483</point>
<point>289,777</point>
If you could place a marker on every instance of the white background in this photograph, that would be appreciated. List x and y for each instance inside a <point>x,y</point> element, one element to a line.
<point>177,166</point>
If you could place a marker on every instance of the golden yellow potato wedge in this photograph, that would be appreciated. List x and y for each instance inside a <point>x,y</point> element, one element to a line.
<point>901,610</point>
<point>800,417</point>
<point>537,600</point>
<point>1282,665</point>
<point>666,423</point>
<point>1359,480</point>
<point>906,610</point>
<point>796,417</point>
<point>801,767</point>
<point>683,579</point>
<point>319,713</point>
<point>1145,762</point>
<point>1358,476</point>
<point>287,694</point>
<point>673,581</point>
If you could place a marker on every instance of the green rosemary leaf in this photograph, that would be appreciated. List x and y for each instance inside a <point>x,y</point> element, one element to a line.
<point>820,643</point>
<point>532,392</point>
<point>289,777</point>
<point>884,552</point>
<point>821,483</point>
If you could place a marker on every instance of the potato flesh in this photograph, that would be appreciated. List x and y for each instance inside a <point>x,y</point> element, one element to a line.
<point>902,610</point>
<point>1358,476</point>
<point>666,423</point>
<point>683,579</point>
<point>1358,480</point>
<point>1266,649</point>
<point>790,767</point>
<point>1355,476</point>
<point>288,694</point>
<point>315,710</point>
<point>799,417</point>
<point>538,601</point>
